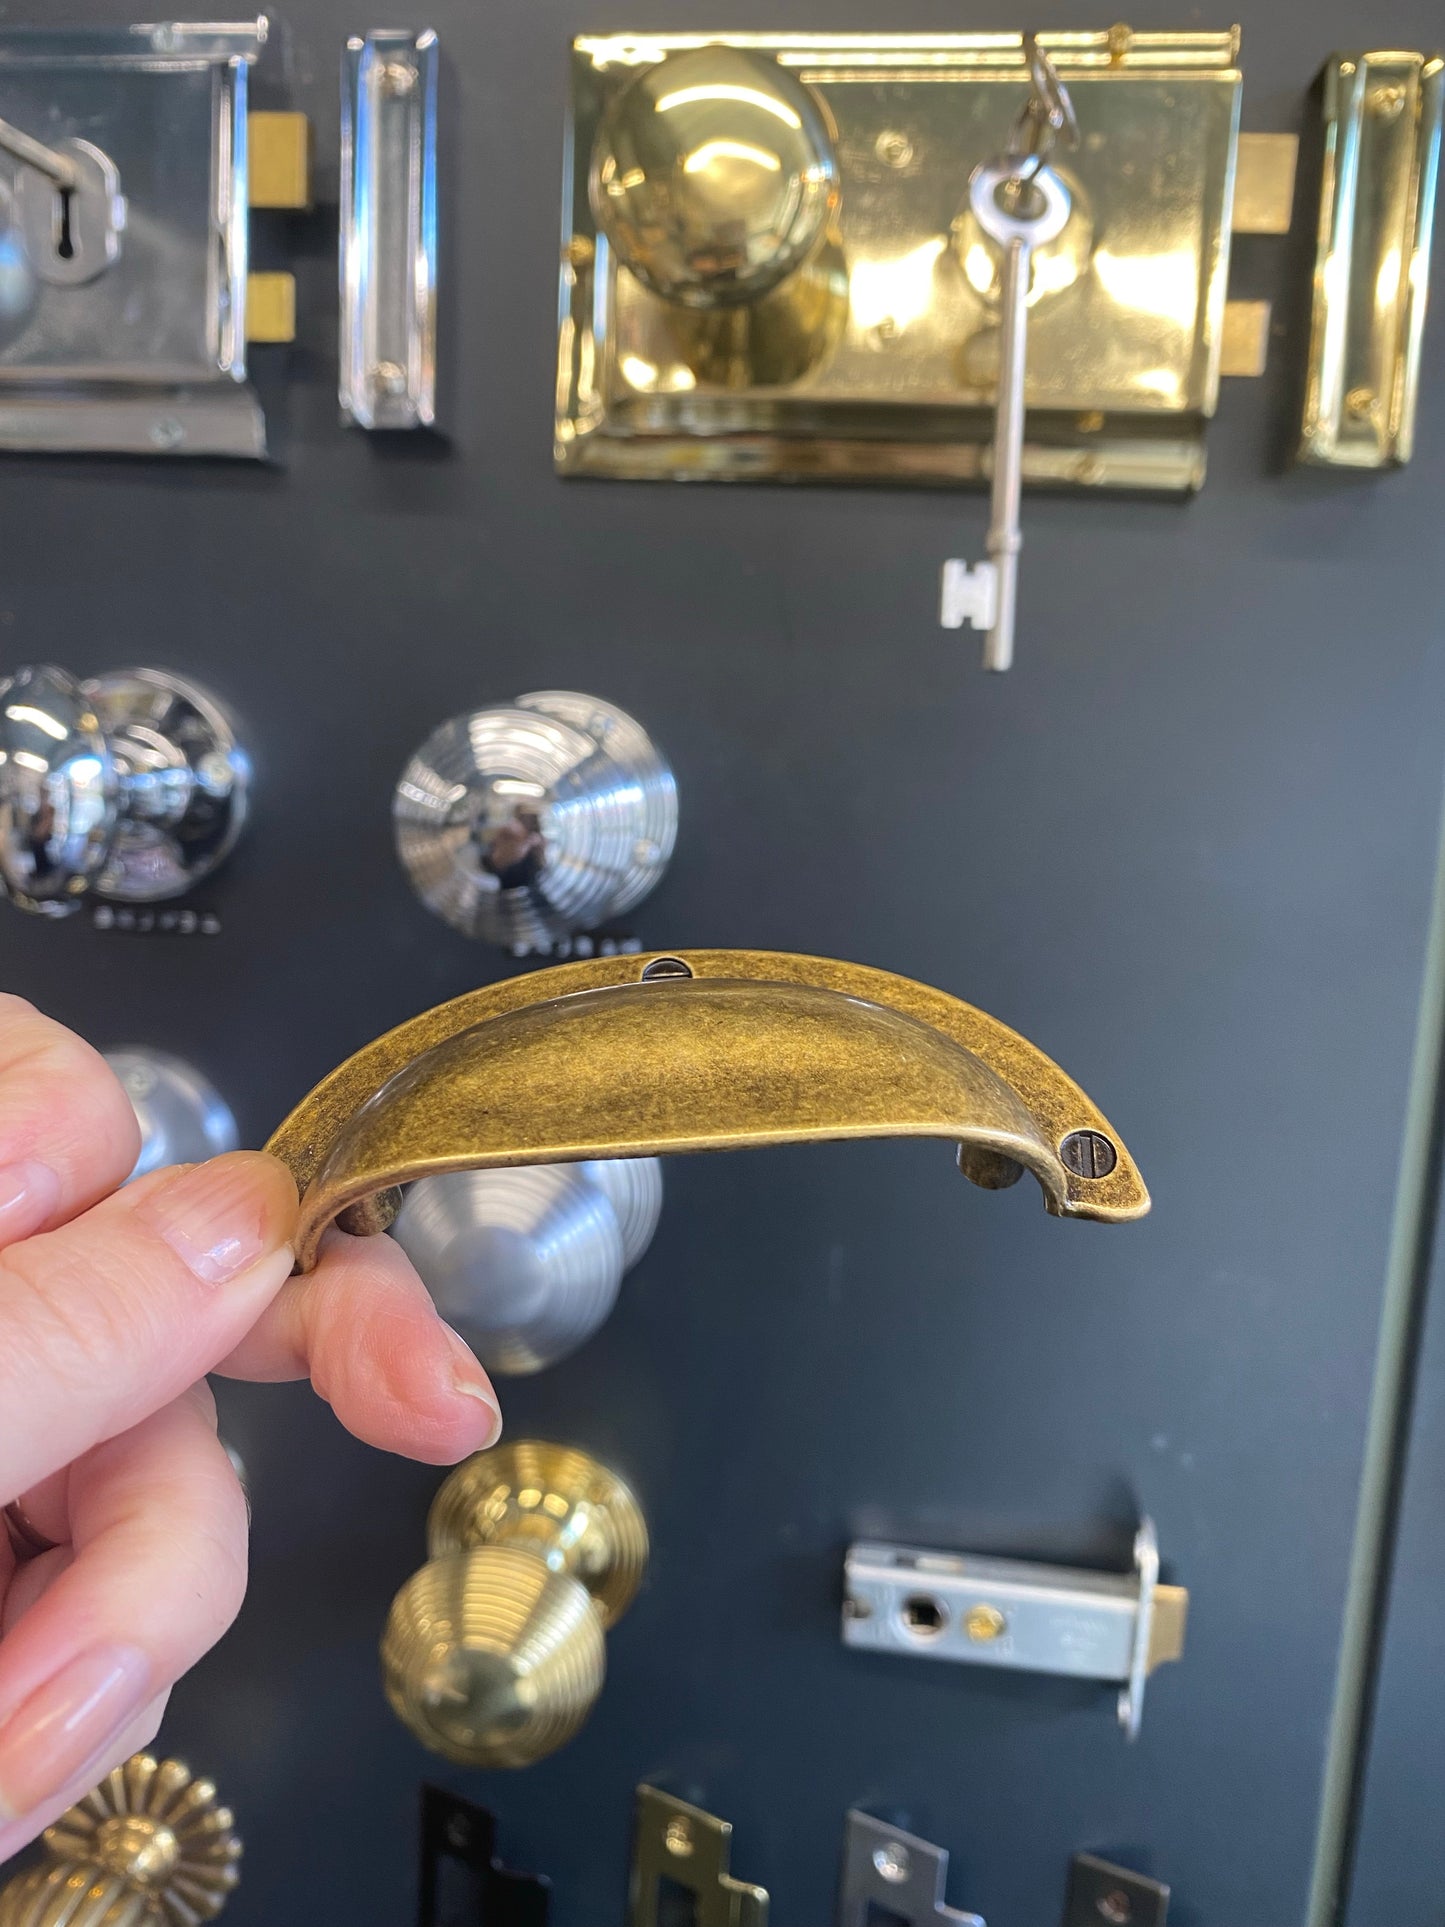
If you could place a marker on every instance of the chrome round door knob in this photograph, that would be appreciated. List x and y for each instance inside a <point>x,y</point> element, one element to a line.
<point>526,1262</point>
<point>530,824</point>
<point>714,176</point>
<point>130,786</point>
<point>182,1116</point>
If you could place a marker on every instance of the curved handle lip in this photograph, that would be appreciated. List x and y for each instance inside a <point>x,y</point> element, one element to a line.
<point>425,1098</point>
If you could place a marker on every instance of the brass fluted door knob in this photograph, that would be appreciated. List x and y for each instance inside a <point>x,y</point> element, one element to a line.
<point>493,1653</point>
<point>150,1847</point>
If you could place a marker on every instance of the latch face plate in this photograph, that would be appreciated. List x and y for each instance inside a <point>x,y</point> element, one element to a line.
<point>896,382</point>
<point>148,356</point>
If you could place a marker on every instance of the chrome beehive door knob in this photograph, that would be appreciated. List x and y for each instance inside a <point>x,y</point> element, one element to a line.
<point>182,1116</point>
<point>130,786</point>
<point>526,1262</point>
<point>493,1653</point>
<point>714,176</point>
<point>533,823</point>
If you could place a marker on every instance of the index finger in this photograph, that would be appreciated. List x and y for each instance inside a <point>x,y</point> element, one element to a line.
<point>68,1134</point>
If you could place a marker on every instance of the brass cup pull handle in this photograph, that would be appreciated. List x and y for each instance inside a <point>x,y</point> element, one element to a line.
<point>695,1051</point>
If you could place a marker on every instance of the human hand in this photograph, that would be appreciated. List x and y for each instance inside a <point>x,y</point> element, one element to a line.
<point>123,1546</point>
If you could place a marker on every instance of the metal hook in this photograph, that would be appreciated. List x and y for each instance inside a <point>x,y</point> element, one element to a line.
<point>1046,116</point>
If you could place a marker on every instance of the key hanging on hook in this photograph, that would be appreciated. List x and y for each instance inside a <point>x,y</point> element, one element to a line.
<point>1020,202</point>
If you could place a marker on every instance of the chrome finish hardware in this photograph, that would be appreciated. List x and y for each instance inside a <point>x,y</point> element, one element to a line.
<point>714,176</point>
<point>893,1876</point>
<point>526,1262</point>
<point>183,1118</point>
<point>677,1845</point>
<point>131,786</point>
<point>389,230</point>
<point>1017,1614</point>
<point>987,596</point>
<point>530,824</point>
<point>151,1846</point>
<point>137,348</point>
<point>1377,201</point>
<point>493,1652</point>
<point>1101,1895</point>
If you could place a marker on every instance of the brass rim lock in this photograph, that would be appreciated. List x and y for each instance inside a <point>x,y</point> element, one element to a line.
<point>131,786</point>
<point>639,1057</point>
<point>151,1847</point>
<point>493,1653</point>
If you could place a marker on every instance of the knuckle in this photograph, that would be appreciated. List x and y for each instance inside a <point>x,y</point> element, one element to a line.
<point>72,1319</point>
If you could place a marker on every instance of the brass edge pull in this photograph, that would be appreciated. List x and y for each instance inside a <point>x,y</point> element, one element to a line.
<point>698,1050</point>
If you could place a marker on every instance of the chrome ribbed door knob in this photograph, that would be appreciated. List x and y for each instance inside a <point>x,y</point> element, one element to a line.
<point>182,1116</point>
<point>130,786</point>
<point>537,822</point>
<point>526,1262</point>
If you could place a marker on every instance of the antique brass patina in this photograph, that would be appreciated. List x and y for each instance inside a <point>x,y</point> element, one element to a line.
<point>769,266</point>
<point>700,1050</point>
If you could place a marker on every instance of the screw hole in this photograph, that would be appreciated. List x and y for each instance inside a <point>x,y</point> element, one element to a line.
<point>922,1616</point>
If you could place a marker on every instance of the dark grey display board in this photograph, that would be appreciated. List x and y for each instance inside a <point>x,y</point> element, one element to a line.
<point>1186,846</point>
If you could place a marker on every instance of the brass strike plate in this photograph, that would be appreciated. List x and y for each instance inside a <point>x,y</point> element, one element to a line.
<point>893,377</point>
<point>677,1845</point>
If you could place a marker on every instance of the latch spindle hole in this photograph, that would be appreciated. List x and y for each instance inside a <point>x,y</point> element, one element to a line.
<point>925,1618</point>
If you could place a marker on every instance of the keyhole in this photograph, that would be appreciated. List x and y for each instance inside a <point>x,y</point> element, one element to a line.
<point>64,236</point>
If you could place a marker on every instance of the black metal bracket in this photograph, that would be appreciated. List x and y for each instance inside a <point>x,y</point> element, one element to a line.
<point>463,1883</point>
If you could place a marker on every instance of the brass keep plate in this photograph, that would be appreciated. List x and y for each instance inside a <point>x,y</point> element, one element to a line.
<point>1125,323</point>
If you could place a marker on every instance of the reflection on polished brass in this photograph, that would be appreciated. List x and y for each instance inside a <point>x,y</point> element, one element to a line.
<point>1377,198</point>
<point>884,365</point>
<point>493,1652</point>
<point>278,160</point>
<point>1245,348</point>
<point>270,309</point>
<point>714,176</point>
<point>150,1847</point>
<point>704,1050</point>
<point>1264,174</point>
<point>678,1845</point>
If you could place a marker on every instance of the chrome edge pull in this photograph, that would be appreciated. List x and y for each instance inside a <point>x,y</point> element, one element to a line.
<point>389,229</point>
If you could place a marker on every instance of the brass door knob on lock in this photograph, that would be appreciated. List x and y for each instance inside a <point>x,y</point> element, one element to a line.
<point>493,1652</point>
<point>131,786</point>
<point>529,824</point>
<point>150,1847</point>
<point>629,1057</point>
<point>714,176</point>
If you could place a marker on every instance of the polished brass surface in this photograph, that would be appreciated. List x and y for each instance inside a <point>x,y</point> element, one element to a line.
<point>1264,172</point>
<point>493,1652</point>
<point>704,1050</point>
<point>270,308</point>
<point>1382,154</point>
<point>714,176</point>
<point>150,1847</point>
<point>551,1500</point>
<point>278,160</point>
<point>678,1845</point>
<point>877,358</point>
<point>1245,346</point>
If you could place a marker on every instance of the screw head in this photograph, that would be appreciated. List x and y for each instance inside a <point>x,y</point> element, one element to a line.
<point>1088,1154</point>
<point>892,1861</point>
<point>389,378</point>
<point>893,149</point>
<point>166,433</point>
<point>1115,1907</point>
<point>983,1623</point>
<point>677,1838</point>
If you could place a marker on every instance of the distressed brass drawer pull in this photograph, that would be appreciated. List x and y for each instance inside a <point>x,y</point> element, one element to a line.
<point>702,1050</point>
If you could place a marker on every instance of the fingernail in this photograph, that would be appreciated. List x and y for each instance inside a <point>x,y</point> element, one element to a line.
<point>471,1381</point>
<point>219,1218</point>
<point>29,1192</point>
<point>51,1735</point>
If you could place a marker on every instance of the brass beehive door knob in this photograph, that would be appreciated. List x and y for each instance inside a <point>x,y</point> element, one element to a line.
<point>493,1653</point>
<point>150,1847</point>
